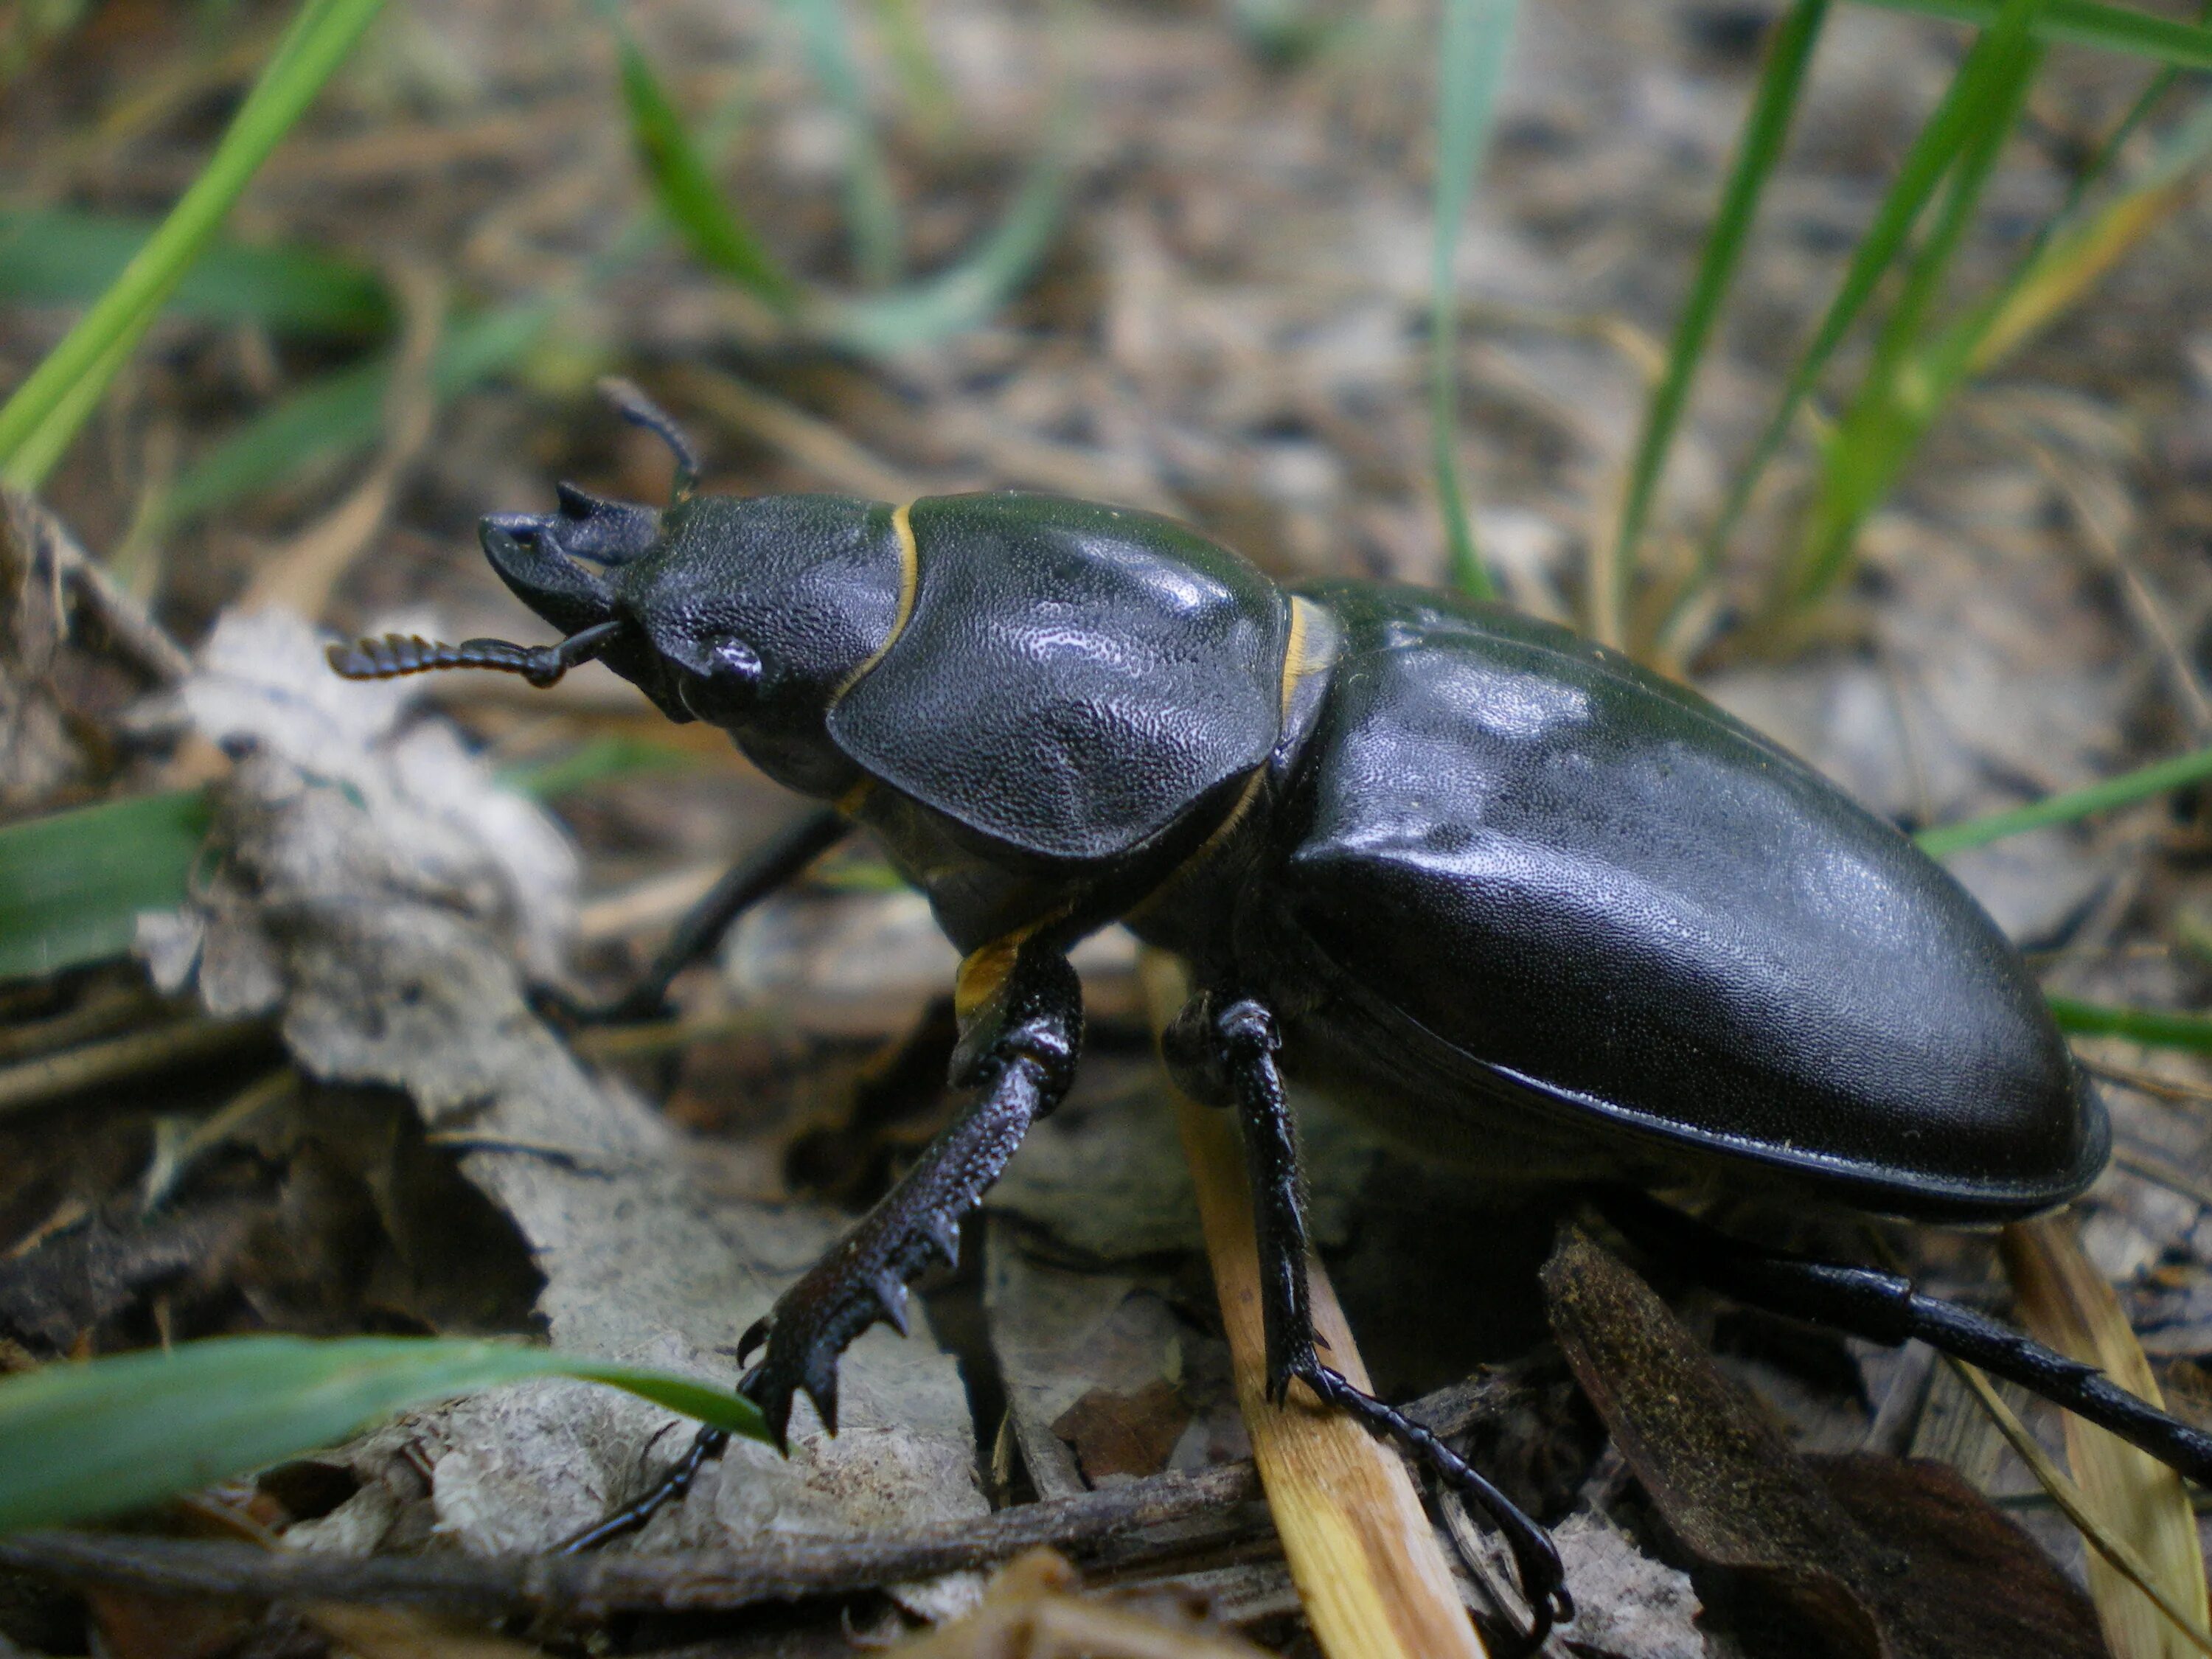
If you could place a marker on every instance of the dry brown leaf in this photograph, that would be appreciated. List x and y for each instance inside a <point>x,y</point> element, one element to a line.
<point>1124,1433</point>
<point>1888,1559</point>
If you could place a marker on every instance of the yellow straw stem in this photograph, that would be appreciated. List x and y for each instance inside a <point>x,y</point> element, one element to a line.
<point>1366,1562</point>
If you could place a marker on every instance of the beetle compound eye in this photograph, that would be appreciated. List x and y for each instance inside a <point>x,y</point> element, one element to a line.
<point>725,684</point>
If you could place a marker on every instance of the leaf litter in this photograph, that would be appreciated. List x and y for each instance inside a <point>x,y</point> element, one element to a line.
<point>1233,342</point>
<point>377,895</point>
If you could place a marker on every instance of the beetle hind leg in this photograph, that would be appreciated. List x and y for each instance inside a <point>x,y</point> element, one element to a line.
<point>1223,1052</point>
<point>1884,1308</point>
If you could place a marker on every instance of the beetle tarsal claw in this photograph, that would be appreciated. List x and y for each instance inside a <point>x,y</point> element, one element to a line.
<point>756,1333</point>
<point>1535,1557</point>
<point>891,1293</point>
<point>944,1237</point>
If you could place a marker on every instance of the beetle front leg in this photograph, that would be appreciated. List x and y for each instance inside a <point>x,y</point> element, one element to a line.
<point>1017,1050</point>
<point>1223,1052</point>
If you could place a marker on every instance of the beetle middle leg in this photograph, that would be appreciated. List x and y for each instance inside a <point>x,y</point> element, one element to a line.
<point>1884,1308</point>
<point>1222,1051</point>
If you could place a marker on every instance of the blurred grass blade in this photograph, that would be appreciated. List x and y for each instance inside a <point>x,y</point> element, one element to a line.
<point>1477,35</point>
<point>2154,1027</point>
<point>2125,790</point>
<point>970,292</point>
<point>343,413</point>
<point>2066,1303</point>
<point>72,883</point>
<point>1766,128</point>
<point>2064,265</point>
<point>1899,398</point>
<point>871,216</point>
<point>102,1436</point>
<point>906,42</point>
<point>1946,131</point>
<point>2084,22</point>
<point>685,186</point>
<point>61,256</point>
<point>55,395</point>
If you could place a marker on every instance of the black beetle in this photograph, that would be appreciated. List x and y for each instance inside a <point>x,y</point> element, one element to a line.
<point>1527,906</point>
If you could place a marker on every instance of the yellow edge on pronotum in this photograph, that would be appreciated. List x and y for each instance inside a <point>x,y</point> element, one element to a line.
<point>1369,1570</point>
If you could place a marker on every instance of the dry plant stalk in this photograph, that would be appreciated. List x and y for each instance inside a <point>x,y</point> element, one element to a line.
<point>2066,1303</point>
<point>303,576</point>
<point>1369,1570</point>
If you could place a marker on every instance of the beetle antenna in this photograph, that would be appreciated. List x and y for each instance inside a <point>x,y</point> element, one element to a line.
<point>633,406</point>
<point>410,654</point>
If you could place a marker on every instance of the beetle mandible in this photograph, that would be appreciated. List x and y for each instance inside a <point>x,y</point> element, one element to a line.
<point>1520,901</point>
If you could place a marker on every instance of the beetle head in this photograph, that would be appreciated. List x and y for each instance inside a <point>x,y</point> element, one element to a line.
<point>746,613</point>
<point>756,609</point>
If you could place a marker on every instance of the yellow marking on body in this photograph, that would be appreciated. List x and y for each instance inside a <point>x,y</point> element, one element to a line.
<point>984,972</point>
<point>909,584</point>
<point>1300,659</point>
<point>850,803</point>
<point>1294,652</point>
<point>985,969</point>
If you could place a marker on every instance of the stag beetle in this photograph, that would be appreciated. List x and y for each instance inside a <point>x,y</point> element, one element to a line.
<point>1526,905</point>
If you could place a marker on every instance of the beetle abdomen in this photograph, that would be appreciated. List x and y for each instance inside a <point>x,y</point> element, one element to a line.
<point>1629,910</point>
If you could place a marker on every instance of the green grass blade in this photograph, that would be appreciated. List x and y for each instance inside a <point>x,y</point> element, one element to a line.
<point>60,256</point>
<point>72,883</point>
<point>79,1440</point>
<point>343,413</point>
<point>1477,35</point>
<point>2125,790</point>
<point>1765,131</point>
<point>321,37</point>
<point>871,215</point>
<point>2086,23</point>
<point>2148,1026</point>
<point>43,450</point>
<point>684,184</point>
<point>971,291</point>
<point>1894,408</point>
<point>1946,133</point>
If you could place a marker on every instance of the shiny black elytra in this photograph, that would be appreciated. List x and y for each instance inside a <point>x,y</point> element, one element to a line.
<point>1527,906</point>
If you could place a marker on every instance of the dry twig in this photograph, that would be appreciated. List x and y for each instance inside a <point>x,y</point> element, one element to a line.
<point>777,1569</point>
